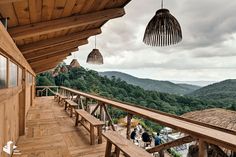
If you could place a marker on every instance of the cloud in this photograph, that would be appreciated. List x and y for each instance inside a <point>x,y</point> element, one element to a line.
<point>209,41</point>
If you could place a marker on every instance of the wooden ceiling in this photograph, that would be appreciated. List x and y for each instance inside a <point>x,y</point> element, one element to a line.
<point>47,31</point>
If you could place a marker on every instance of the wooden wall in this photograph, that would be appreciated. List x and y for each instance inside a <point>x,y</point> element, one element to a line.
<point>14,101</point>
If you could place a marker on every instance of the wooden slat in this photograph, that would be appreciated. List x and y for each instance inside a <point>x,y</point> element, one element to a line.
<point>78,6</point>
<point>35,9</point>
<point>8,46</point>
<point>64,23</point>
<point>7,10</point>
<point>47,9</point>
<point>9,1</point>
<point>48,60</point>
<point>51,55</point>
<point>178,142</point>
<point>52,50</point>
<point>58,8</point>
<point>22,12</point>
<point>57,41</point>
<point>125,145</point>
<point>91,119</point>
<point>68,8</point>
<point>65,54</point>
<point>88,6</point>
<point>43,69</point>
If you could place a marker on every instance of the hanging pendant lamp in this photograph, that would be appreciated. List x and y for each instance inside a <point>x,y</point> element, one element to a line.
<point>163,29</point>
<point>95,57</point>
<point>74,63</point>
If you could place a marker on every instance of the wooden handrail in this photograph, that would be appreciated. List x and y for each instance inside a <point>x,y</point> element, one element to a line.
<point>198,130</point>
<point>94,96</point>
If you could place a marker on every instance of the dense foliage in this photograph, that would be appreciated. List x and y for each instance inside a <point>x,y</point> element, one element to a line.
<point>225,90</point>
<point>114,88</point>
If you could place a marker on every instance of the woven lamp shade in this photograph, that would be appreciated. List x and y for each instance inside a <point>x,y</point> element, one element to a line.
<point>95,57</point>
<point>162,30</point>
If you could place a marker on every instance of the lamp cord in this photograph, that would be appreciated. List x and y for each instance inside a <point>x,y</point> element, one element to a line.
<point>95,41</point>
<point>162,4</point>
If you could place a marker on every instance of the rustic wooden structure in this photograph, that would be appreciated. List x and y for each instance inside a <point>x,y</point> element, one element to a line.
<point>45,28</point>
<point>40,34</point>
<point>122,144</point>
<point>94,123</point>
<point>71,105</point>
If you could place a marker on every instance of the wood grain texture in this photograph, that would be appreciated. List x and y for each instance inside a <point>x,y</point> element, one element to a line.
<point>58,41</point>
<point>27,31</point>
<point>51,133</point>
<point>8,47</point>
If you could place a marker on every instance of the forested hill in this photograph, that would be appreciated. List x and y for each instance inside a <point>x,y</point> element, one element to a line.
<point>90,81</point>
<point>225,90</point>
<point>148,84</point>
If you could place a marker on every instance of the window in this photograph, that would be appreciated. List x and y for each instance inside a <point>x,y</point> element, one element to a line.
<point>12,75</point>
<point>3,72</point>
<point>19,76</point>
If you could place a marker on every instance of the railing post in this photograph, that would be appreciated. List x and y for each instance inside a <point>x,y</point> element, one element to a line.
<point>129,118</point>
<point>46,92</point>
<point>202,148</point>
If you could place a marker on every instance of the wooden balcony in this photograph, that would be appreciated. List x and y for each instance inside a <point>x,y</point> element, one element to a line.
<point>50,131</point>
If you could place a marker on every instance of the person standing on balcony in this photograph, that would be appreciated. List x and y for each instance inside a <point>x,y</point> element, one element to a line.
<point>146,138</point>
<point>157,139</point>
<point>133,135</point>
<point>139,128</point>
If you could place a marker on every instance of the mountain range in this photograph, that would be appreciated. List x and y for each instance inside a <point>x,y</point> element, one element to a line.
<point>156,85</point>
<point>225,90</point>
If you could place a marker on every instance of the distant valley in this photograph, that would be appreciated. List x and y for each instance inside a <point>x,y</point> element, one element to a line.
<point>149,84</point>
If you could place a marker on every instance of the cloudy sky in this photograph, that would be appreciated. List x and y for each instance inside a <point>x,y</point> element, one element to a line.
<point>207,51</point>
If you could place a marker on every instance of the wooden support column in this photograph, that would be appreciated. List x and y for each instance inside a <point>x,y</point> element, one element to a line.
<point>174,143</point>
<point>202,148</point>
<point>95,109</point>
<point>22,103</point>
<point>109,117</point>
<point>129,118</point>
<point>101,109</point>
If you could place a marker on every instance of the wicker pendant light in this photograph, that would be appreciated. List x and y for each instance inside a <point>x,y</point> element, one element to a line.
<point>163,29</point>
<point>95,57</point>
<point>74,63</point>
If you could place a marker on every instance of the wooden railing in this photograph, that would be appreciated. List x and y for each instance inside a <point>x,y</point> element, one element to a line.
<point>46,90</point>
<point>200,132</point>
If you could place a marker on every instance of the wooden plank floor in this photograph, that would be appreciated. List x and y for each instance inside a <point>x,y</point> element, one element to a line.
<point>50,132</point>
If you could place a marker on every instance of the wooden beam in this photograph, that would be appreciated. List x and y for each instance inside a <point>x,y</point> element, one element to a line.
<point>50,58</point>
<point>54,50</point>
<point>180,141</point>
<point>31,30</point>
<point>58,40</point>
<point>46,61</point>
<point>9,1</point>
<point>41,70</point>
<point>9,48</point>
<point>48,65</point>
<point>52,55</point>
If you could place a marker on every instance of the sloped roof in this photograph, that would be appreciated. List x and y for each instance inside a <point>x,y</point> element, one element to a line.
<point>217,117</point>
<point>47,31</point>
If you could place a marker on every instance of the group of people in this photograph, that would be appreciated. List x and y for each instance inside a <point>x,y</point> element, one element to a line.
<point>145,136</point>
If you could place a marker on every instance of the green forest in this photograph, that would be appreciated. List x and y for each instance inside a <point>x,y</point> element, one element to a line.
<point>114,88</point>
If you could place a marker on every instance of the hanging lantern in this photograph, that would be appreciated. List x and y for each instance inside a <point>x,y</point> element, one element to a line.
<point>163,29</point>
<point>74,63</point>
<point>95,57</point>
